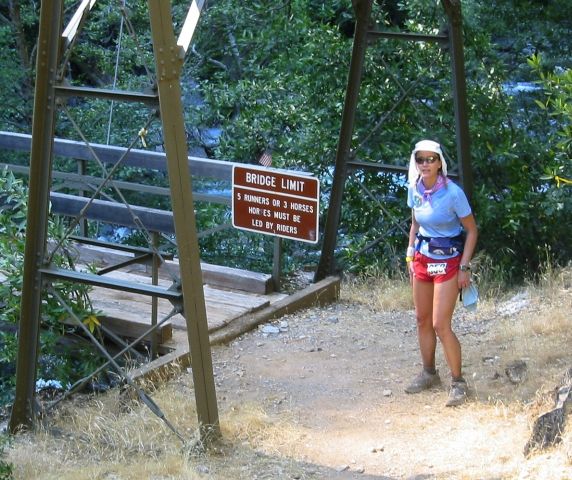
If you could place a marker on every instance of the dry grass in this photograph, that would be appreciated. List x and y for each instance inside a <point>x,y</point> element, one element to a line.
<point>108,437</point>
<point>115,437</point>
<point>543,330</point>
<point>252,425</point>
<point>379,293</point>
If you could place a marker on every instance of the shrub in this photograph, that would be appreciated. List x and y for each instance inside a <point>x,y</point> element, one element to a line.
<point>59,361</point>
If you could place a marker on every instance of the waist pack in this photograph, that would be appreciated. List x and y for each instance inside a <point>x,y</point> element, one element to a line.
<point>443,245</point>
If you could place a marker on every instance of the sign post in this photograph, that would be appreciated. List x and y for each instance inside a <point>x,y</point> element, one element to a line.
<point>275,202</point>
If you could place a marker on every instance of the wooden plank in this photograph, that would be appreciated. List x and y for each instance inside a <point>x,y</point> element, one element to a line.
<point>78,16</point>
<point>191,20</point>
<point>235,278</point>
<point>214,275</point>
<point>232,298</point>
<point>112,212</point>
<point>109,154</point>
<point>77,181</point>
<point>128,307</point>
<point>222,306</point>
<point>319,293</point>
<point>132,329</point>
<point>121,318</point>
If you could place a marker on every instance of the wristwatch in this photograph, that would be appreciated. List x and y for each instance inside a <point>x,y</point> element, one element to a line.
<point>465,268</point>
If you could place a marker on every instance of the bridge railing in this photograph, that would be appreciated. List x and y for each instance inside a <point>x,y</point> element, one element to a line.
<point>116,213</point>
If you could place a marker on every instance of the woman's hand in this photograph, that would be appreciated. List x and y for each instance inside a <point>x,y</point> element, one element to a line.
<point>464,279</point>
<point>411,271</point>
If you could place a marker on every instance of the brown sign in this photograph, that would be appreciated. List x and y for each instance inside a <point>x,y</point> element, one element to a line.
<point>275,202</point>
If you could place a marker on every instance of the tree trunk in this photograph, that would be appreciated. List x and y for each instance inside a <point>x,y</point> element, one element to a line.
<point>22,48</point>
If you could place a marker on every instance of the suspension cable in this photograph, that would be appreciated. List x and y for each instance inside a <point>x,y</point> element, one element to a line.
<point>146,399</point>
<point>115,74</point>
<point>81,382</point>
<point>107,179</point>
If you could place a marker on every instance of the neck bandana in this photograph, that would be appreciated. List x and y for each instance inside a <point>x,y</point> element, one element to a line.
<point>427,192</point>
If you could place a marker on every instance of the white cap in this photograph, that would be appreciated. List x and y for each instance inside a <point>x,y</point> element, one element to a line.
<point>425,146</point>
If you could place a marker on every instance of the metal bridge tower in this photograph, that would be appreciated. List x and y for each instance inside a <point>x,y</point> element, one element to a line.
<point>53,44</point>
<point>363,37</point>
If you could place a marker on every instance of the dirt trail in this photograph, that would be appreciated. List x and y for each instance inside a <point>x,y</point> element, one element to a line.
<point>319,394</point>
<point>330,386</point>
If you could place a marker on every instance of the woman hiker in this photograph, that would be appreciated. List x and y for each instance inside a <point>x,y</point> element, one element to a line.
<point>442,240</point>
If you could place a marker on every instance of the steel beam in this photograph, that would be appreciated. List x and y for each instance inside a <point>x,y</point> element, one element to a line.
<point>326,265</point>
<point>65,91</point>
<point>463,140</point>
<point>168,61</point>
<point>51,15</point>
<point>171,294</point>
<point>418,37</point>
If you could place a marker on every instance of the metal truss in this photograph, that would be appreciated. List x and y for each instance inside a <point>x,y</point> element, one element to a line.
<point>346,159</point>
<point>55,44</point>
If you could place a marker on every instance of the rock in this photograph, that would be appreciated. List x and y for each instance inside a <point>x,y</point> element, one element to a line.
<point>387,393</point>
<point>515,304</point>
<point>490,359</point>
<point>270,329</point>
<point>517,371</point>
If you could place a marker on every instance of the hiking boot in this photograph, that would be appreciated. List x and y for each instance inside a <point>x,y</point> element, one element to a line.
<point>457,394</point>
<point>423,381</point>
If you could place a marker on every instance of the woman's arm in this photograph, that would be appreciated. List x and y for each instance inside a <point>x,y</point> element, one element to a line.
<point>410,248</point>
<point>470,226</point>
<point>413,230</point>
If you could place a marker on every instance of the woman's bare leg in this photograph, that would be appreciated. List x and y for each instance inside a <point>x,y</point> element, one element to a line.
<point>444,299</point>
<point>423,293</point>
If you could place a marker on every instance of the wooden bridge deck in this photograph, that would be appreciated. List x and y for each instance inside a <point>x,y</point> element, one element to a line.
<point>236,301</point>
<point>222,305</point>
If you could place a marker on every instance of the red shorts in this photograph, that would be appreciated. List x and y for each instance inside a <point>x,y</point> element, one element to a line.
<point>437,271</point>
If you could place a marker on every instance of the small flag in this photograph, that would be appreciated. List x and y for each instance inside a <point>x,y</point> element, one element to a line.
<point>266,158</point>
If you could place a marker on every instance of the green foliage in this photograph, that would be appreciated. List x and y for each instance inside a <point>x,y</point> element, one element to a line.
<point>521,208</point>
<point>293,102</point>
<point>557,86</point>
<point>58,361</point>
<point>6,469</point>
<point>273,74</point>
<point>521,28</point>
<point>262,94</point>
<point>15,74</point>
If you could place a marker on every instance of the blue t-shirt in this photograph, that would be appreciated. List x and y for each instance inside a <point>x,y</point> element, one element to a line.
<point>441,216</point>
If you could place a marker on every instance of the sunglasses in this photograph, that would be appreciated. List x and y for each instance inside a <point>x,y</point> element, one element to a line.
<point>429,159</point>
